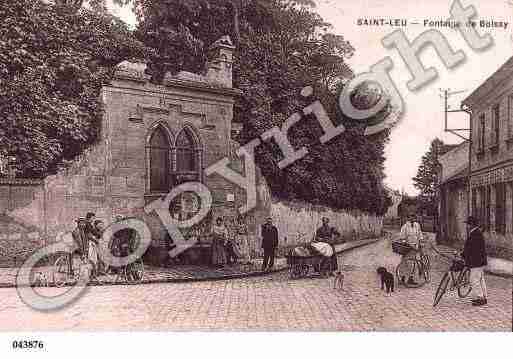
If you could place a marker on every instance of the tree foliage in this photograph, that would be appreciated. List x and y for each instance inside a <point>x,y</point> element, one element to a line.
<point>282,46</point>
<point>427,178</point>
<point>66,53</point>
<point>54,59</point>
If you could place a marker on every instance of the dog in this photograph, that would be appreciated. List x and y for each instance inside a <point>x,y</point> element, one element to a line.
<point>387,279</point>
<point>338,281</point>
<point>40,280</point>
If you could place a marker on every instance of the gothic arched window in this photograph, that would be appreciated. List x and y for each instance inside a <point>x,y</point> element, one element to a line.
<point>185,152</point>
<point>187,157</point>
<point>159,153</point>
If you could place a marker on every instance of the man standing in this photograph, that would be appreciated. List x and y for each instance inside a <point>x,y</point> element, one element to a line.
<point>474,254</point>
<point>81,242</point>
<point>269,243</point>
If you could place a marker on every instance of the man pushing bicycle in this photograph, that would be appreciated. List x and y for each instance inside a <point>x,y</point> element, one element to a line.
<point>412,235</point>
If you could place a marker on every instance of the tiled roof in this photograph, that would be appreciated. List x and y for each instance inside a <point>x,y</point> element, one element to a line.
<point>504,72</point>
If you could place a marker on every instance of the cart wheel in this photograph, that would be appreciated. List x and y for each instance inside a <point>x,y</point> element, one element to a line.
<point>324,268</point>
<point>304,270</point>
<point>291,272</point>
<point>296,270</point>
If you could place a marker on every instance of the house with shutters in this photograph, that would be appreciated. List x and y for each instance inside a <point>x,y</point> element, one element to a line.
<point>491,167</point>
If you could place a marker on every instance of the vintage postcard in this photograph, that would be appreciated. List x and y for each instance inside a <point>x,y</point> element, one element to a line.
<point>255,166</point>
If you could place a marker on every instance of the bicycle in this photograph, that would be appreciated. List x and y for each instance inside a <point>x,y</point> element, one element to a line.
<point>458,275</point>
<point>69,267</point>
<point>416,269</point>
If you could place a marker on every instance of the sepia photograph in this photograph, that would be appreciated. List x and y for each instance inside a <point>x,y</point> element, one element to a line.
<point>184,168</point>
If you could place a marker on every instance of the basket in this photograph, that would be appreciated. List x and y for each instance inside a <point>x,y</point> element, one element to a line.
<point>401,248</point>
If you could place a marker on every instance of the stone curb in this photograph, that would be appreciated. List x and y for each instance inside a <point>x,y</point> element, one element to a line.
<point>499,274</point>
<point>359,243</point>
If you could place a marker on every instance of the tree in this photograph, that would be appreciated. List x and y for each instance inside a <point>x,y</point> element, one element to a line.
<point>54,59</point>
<point>427,178</point>
<point>283,46</point>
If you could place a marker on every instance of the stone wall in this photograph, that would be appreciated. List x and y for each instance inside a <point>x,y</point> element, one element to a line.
<point>298,221</point>
<point>19,235</point>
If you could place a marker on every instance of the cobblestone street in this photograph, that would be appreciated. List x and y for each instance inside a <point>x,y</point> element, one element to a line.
<point>273,303</point>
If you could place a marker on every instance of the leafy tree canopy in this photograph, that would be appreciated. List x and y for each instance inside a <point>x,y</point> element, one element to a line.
<point>54,59</point>
<point>282,46</point>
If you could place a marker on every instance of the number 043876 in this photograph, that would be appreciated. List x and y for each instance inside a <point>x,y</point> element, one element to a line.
<point>27,344</point>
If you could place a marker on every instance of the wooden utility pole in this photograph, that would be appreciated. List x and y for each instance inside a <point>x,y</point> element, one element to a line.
<point>447,93</point>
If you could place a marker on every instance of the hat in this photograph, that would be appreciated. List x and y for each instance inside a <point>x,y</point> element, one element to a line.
<point>472,220</point>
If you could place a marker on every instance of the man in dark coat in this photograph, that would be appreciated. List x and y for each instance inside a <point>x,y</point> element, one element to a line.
<point>90,230</point>
<point>80,237</point>
<point>269,243</point>
<point>474,254</point>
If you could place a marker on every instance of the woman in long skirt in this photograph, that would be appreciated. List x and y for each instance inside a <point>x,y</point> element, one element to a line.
<point>243,240</point>
<point>219,237</point>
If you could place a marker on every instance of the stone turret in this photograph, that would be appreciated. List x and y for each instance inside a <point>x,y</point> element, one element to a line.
<point>219,66</point>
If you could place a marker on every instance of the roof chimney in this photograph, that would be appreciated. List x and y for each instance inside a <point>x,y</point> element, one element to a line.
<point>219,67</point>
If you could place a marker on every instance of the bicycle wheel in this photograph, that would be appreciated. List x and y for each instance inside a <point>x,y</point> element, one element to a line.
<point>61,270</point>
<point>464,286</point>
<point>442,288</point>
<point>410,273</point>
<point>134,272</point>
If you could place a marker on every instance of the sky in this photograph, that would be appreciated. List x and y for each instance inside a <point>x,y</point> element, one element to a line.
<point>423,117</point>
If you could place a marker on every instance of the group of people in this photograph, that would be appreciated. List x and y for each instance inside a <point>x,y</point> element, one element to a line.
<point>474,254</point>
<point>87,236</point>
<point>228,249</point>
<point>321,245</point>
